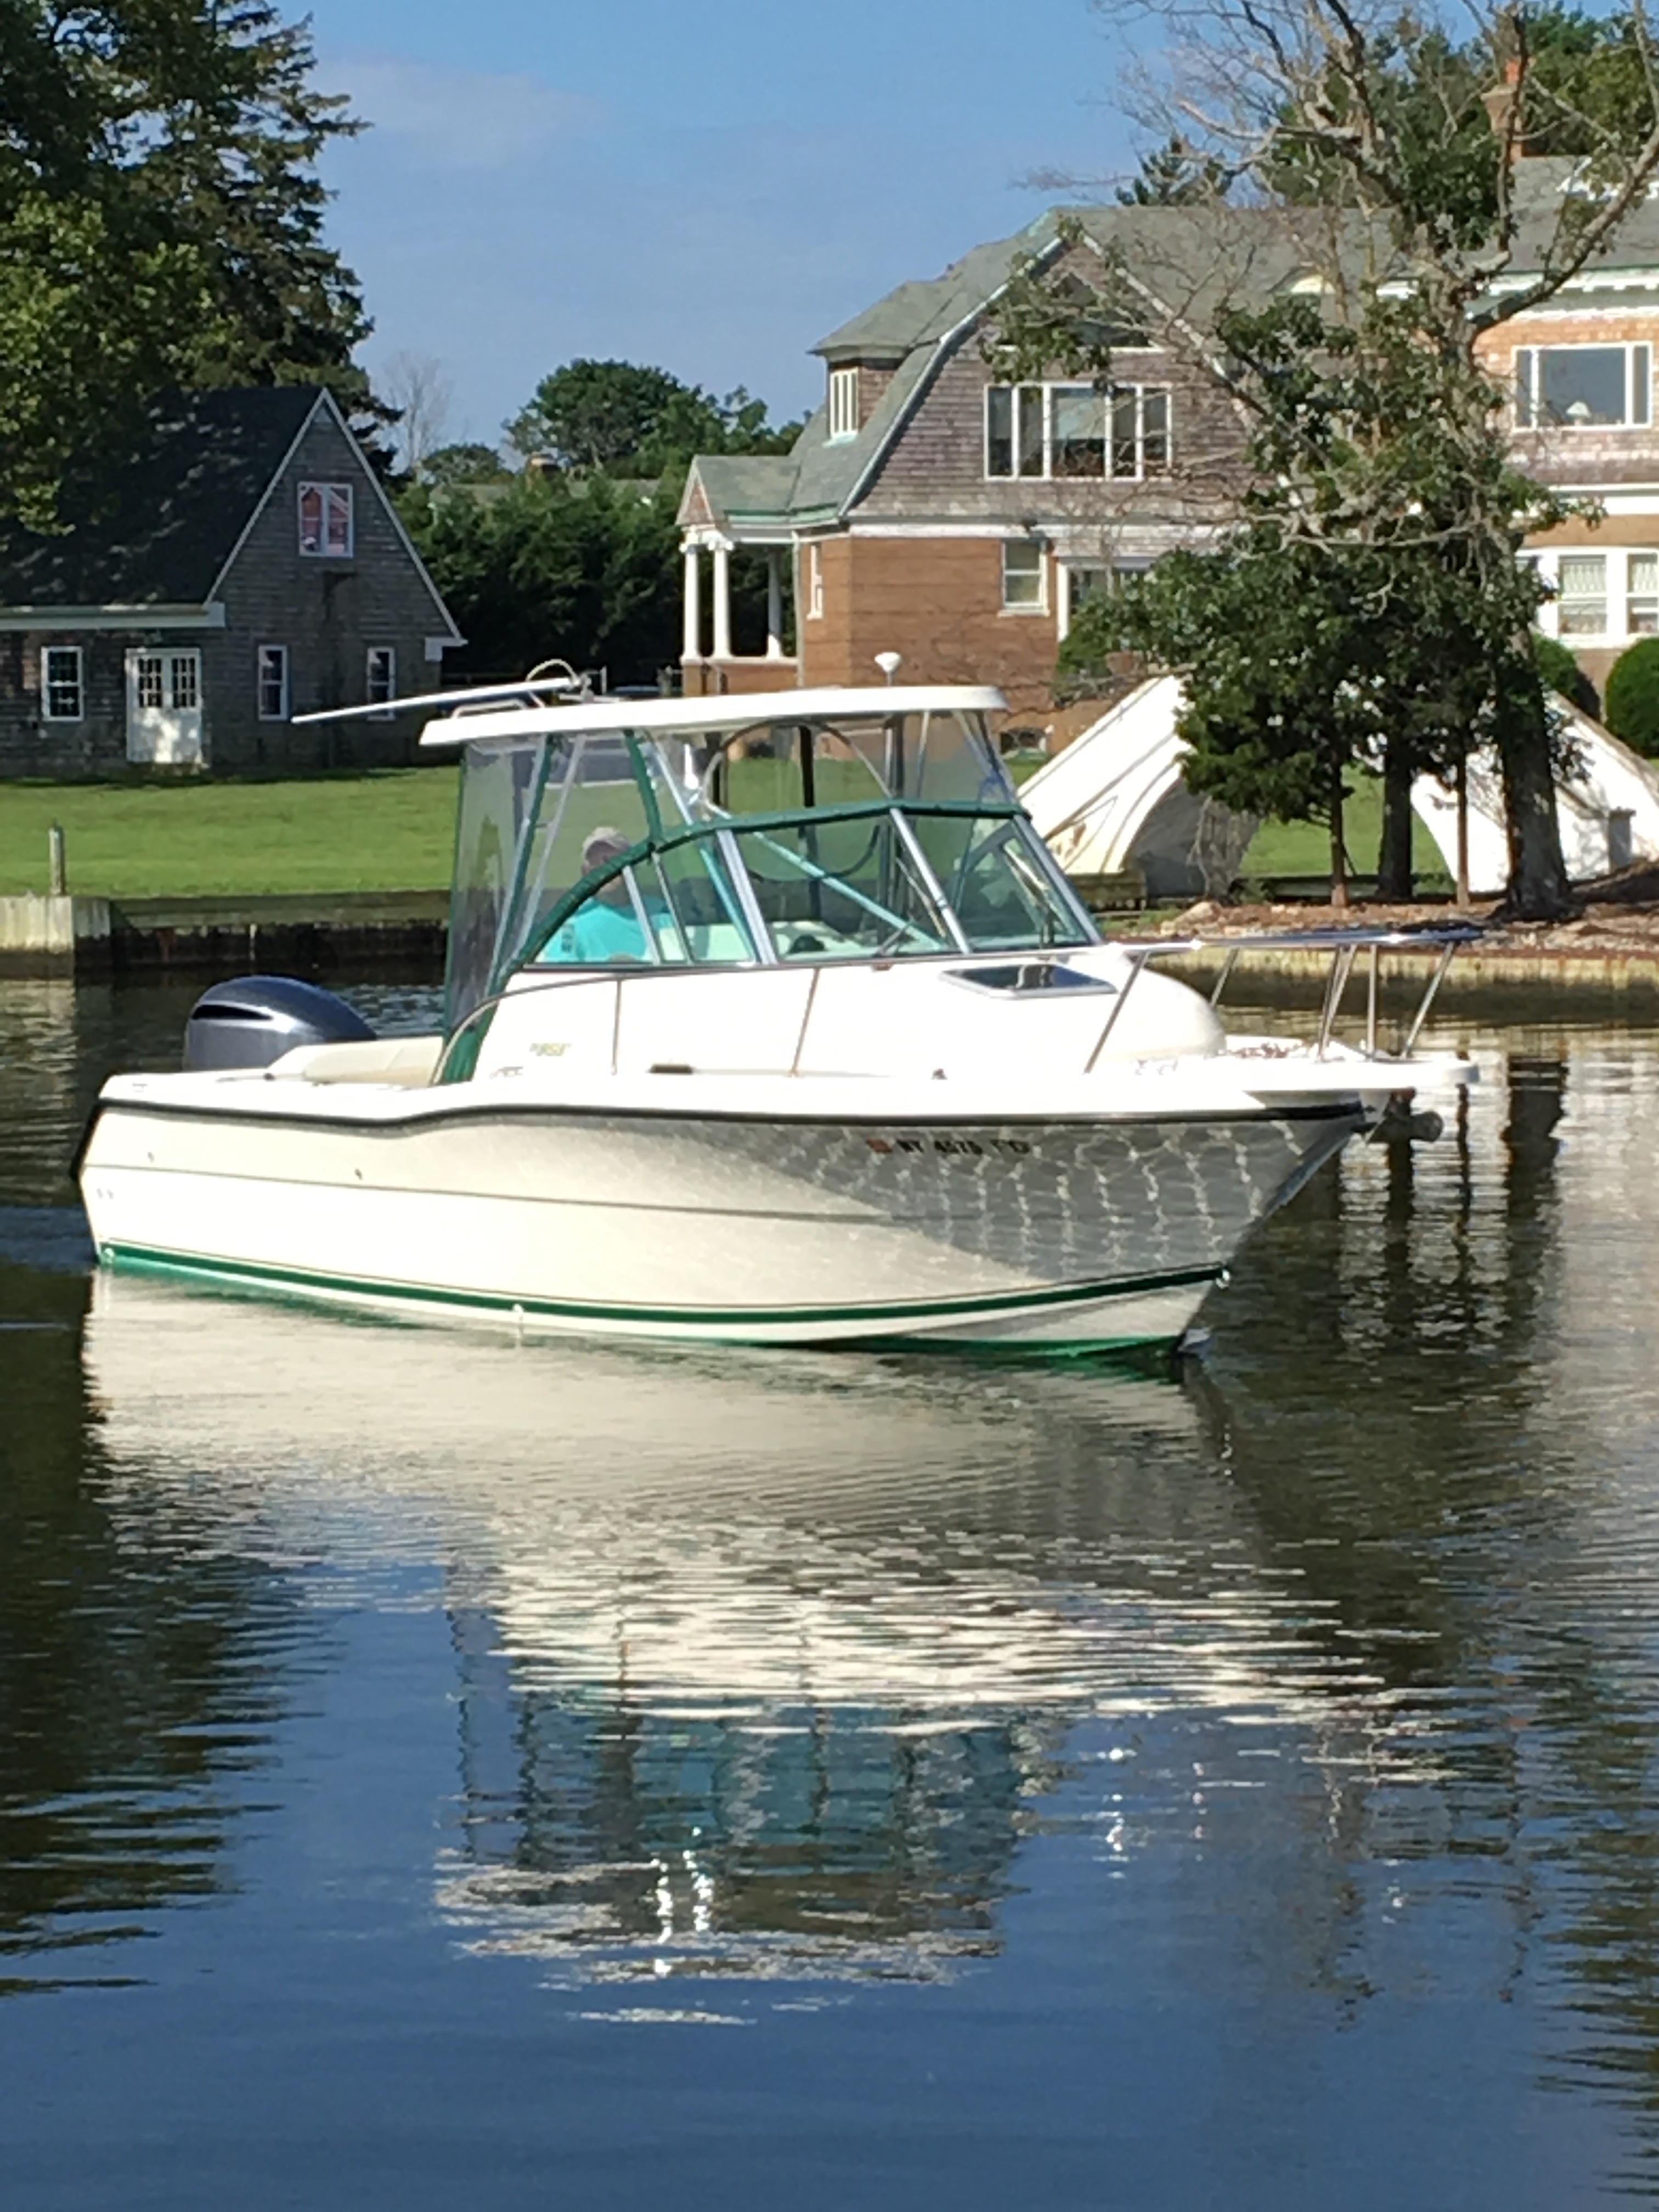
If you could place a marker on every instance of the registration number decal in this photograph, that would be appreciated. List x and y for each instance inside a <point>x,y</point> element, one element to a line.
<point>963,1147</point>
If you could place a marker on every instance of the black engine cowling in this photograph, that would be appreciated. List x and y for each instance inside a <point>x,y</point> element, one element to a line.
<point>254,1020</point>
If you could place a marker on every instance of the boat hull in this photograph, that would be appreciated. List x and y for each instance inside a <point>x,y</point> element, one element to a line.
<point>1005,1235</point>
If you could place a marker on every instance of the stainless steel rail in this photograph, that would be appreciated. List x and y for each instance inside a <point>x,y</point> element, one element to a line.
<point>1344,946</point>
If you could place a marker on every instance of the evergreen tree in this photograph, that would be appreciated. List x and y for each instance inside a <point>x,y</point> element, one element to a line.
<point>164,222</point>
<point>583,568</point>
<point>1172,175</point>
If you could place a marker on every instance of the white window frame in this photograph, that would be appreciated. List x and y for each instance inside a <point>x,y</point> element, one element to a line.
<point>1026,607</point>
<point>188,657</point>
<point>1620,571</point>
<point>384,686</point>
<point>1525,367</point>
<point>75,683</point>
<point>150,670</point>
<point>280,712</point>
<point>843,405</point>
<point>1604,597</point>
<point>1647,599</point>
<point>1140,388</point>
<point>335,498</point>
<point>1069,572</point>
<point>156,671</point>
<point>814,580</point>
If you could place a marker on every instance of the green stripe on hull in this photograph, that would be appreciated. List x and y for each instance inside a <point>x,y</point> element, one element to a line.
<point>1141,1355</point>
<point>299,1281</point>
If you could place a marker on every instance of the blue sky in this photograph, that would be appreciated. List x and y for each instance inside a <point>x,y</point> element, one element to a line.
<point>710,188</point>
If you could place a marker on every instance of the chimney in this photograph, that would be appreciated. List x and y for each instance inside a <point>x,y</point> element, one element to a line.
<point>1500,102</point>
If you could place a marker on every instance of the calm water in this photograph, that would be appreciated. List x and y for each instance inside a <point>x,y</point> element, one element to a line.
<point>436,1770</point>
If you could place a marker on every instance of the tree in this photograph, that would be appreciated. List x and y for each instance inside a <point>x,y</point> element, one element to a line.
<point>1172,176</point>
<point>421,391</point>
<point>466,464</point>
<point>618,418</point>
<point>163,219</point>
<point>1332,664</point>
<point>1308,651</point>
<point>583,568</point>
<point>1392,156</point>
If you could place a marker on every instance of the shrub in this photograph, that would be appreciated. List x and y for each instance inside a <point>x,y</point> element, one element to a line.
<point>1632,711</point>
<point>1561,672</point>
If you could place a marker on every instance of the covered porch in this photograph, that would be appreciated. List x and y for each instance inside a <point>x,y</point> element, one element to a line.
<point>738,542</point>
<point>709,661</point>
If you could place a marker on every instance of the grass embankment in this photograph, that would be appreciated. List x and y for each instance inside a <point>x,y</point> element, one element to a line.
<point>392,830</point>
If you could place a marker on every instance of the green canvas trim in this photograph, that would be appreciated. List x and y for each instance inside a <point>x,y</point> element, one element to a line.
<point>144,1258</point>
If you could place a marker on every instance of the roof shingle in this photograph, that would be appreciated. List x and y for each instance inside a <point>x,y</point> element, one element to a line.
<point>157,528</point>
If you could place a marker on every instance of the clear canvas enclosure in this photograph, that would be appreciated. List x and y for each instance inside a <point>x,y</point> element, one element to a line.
<point>889,835</point>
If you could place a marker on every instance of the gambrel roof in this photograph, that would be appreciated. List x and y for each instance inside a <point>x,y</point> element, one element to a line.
<point>1188,262</point>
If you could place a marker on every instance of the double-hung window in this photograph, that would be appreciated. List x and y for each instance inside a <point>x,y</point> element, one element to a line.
<point>61,688</point>
<point>380,675</point>
<point>273,684</point>
<point>1056,431</point>
<point>1581,593</point>
<point>325,520</point>
<point>1024,580</point>
<point>1015,444</point>
<point>843,402</point>
<point>1583,387</point>
<point>1077,430</point>
<point>1641,595</point>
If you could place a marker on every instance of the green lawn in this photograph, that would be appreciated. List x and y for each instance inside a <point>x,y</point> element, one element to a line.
<point>392,830</point>
<point>1303,849</point>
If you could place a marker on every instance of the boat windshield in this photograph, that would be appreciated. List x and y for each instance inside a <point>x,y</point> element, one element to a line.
<point>892,837</point>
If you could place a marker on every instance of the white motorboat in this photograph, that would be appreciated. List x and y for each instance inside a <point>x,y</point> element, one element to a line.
<point>767,1018</point>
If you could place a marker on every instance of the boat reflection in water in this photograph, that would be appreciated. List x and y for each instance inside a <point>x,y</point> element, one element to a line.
<point>762,1664</point>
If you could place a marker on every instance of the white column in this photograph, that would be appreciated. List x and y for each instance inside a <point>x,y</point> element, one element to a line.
<point>722,600</point>
<point>693,646</point>
<point>774,604</point>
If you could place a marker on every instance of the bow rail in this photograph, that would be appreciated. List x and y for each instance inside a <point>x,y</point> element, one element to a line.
<point>1344,945</point>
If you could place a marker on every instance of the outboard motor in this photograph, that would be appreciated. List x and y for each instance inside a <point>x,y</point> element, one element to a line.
<point>256,1019</point>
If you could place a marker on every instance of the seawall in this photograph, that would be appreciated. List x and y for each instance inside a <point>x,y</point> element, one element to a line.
<point>321,932</point>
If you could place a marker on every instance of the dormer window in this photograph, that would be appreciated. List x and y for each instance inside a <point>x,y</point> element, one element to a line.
<point>843,402</point>
<point>325,520</point>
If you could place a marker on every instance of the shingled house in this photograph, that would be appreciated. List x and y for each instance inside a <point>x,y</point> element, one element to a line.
<point>928,510</point>
<point>241,565</point>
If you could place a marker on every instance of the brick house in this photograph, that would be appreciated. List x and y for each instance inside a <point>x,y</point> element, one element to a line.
<point>240,566</point>
<point>929,511</point>
<point>1580,371</point>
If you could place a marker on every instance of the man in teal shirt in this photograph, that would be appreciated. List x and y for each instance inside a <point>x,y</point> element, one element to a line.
<point>605,927</point>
